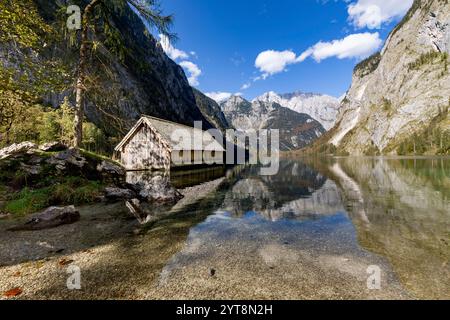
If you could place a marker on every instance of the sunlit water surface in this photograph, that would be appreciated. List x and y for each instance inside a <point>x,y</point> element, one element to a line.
<point>318,228</point>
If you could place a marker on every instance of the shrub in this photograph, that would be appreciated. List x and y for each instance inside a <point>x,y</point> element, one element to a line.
<point>368,65</point>
<point>428,58</point>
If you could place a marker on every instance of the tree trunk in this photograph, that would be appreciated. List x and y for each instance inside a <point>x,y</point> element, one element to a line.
<point>80,89</point>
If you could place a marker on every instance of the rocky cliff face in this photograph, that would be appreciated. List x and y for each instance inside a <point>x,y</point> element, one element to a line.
<point>211,110</point>
<point>297,130</point>
<point>143,81</point>
<point>320,107</point>
<point>404,89</point>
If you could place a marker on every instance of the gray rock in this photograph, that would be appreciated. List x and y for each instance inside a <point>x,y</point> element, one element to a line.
<point>392,102</point>
<point>52,146</point>
<point>152,187</point>
<point>118,193</point>
<point>17,148</point>
<point>159,190</point>
<point>50,218</point>
<point>111,168</point>
<point>31,169</point>
<point>4,215</point>
<point>70,156</point>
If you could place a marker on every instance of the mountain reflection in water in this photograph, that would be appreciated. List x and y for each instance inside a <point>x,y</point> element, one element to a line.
<point>320,224</point>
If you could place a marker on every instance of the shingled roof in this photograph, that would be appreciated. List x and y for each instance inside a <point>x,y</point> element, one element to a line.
<point>167,128</point>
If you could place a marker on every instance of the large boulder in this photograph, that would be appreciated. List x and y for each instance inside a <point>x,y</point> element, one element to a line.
<point>17,148</point>
<point>68,158</point>
<point>111,172</point>
<point>71,156</point>
<point>50,218</point>
<point>153,188</point>
<point>52,146</point>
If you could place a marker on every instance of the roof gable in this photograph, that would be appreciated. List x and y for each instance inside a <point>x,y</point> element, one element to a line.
<point>169,131</point>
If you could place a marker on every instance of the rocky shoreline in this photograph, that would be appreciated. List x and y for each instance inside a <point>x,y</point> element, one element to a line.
<point>33,261</point>
<point>52,177</point>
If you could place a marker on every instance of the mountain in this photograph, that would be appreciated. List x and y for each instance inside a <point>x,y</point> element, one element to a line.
<point>320,107</point>
<point>138,78</point>
<point>399,98</point>
<point>211,110</point>
<point>297,130</point>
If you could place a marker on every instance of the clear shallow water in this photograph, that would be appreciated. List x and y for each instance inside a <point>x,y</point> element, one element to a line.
<point>312,231</point>
<point>309,232</point>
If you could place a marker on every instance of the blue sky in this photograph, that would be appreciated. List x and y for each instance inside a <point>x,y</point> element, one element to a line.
<point>251,47</point>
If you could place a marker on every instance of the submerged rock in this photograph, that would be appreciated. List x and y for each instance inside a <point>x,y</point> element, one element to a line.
<point>50,218</point>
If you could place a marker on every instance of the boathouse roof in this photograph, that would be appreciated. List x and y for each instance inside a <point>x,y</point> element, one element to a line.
<point>171,133</point>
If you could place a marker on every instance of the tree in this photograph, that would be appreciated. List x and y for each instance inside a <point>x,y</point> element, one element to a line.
<point>148,10</point>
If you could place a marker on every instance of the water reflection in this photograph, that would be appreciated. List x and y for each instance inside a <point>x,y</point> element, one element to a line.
<point>296,192</point>
<point>401,209</point>
<point>327,219</point>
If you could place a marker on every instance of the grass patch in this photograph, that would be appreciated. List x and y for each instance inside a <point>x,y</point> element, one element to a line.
<point>72,190</point>
<point>76,191</point>
<point>28,201</point>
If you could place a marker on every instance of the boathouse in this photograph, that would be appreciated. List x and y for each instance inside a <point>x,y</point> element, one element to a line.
<point>156,144</point>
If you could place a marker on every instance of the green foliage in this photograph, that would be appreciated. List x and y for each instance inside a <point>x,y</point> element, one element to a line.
<point>28,201</point>
<point>21,24</point>
<point>75,190</point>
<point>372,150</point>
<point>71,190</point>
<point>42,62</point>
<point>39,124</point>
<point>429,58</point>
<point>368,65</point>
<point>387,105</point>
<point>433,139</point>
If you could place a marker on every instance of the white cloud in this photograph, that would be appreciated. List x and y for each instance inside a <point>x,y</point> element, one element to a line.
<point>359,45</point>
<point>175,54</point>
<point>271,62</point>
<point>246,86</point>
<point>373,13</point>
<point>170,50</point>
<point>194,72</point>
<point>219,96</point>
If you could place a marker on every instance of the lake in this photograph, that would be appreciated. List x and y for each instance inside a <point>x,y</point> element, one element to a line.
<point>319,229</point>
<point>330,228</point>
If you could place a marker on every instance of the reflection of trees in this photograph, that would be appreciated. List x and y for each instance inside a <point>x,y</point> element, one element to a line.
<point>401,210</point>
